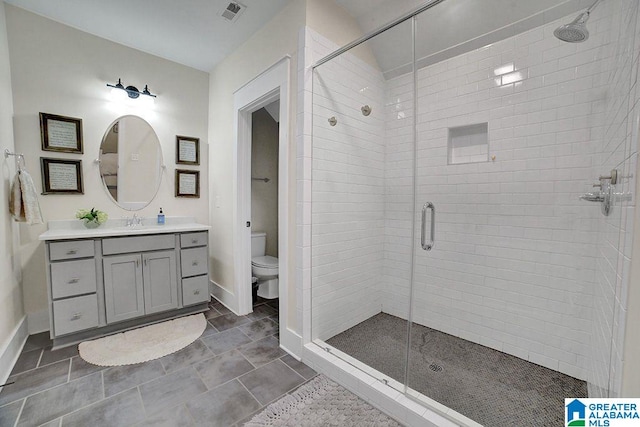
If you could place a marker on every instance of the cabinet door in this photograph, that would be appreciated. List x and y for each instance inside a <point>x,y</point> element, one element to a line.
<point>160,281</point>
<point>123,290</point>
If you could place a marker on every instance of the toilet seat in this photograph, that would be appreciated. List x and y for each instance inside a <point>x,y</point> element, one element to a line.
<point>264,266</point>
<point>265,262</point>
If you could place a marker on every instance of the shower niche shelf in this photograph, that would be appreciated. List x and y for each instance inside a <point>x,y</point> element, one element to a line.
<point>468,144</point>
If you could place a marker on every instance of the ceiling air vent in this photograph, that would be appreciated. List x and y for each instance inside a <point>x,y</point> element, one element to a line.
<point>233,11</point>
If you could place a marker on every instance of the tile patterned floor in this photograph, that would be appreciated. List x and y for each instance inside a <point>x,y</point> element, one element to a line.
<point>493,388</point>
<point>231,372</point>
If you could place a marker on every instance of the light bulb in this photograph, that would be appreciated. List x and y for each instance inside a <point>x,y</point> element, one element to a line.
<point>118,94</point>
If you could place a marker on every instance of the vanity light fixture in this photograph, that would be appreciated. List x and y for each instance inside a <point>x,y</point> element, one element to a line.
<point>131,91</point>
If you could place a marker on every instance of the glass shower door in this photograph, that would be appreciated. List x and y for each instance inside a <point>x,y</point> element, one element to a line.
<point>501,304</point>
<point>362,201</point>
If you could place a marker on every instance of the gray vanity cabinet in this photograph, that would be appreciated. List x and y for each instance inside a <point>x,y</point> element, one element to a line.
<point>194,267</point>
<point>160,281</point>
<point>139,284</point>
<point>72,295</point>
<point>123,287</point>
<point>107,284</point>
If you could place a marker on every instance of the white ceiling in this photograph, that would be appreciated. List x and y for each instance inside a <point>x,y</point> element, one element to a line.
<point>189,32</point>
<point>192,33</point>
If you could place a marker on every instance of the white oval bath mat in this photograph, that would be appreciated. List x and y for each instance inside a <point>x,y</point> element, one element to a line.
<point>144,344</point>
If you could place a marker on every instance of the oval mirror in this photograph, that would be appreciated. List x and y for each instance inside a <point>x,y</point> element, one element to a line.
<point>131,162</point>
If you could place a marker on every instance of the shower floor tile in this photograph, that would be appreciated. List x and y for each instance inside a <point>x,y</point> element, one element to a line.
<point>492,388</point>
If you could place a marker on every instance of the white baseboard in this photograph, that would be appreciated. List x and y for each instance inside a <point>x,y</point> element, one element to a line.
<point>12,348</point>
<point>225,297</point>
<point>38,322</point>
<point>291,342</point>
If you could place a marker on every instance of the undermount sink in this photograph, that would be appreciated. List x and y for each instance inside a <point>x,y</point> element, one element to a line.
<point>140,226</point>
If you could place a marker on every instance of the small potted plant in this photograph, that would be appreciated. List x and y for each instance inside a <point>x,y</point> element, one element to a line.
<point>92,218</point>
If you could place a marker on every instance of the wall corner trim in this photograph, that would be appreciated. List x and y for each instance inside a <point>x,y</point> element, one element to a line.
<point>291,342</point>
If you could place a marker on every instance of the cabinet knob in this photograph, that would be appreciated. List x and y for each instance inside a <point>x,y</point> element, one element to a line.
<point>194,241</point>
<point>73,281</point>
<point>76,316</point>
<point>72,252</point>
<point>194,263</point>
<point>196,292</point>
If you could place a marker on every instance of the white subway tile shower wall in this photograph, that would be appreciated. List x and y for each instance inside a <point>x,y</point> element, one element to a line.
<point>399,206</point>
<point>513,266</point>
<point>347,193</point>
<point>520,264</point>
<point>620,139</point>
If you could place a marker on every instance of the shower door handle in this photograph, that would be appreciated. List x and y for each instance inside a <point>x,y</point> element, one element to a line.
<point>423,239</point>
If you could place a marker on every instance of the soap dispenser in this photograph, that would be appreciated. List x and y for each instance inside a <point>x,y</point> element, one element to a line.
<point>160,217</point>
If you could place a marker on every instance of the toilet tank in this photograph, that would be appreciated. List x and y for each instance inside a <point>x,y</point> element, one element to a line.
<point>258,243</point>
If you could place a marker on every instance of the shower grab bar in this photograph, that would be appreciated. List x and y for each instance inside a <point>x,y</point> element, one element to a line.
<point>432,235</point>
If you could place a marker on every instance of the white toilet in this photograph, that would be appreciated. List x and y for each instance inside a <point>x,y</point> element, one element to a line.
<point>264,267</point>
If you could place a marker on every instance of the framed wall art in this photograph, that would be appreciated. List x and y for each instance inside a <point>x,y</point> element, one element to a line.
<point>61,133</point>
<point>187,150</point>
<point>61,176</point>
<point>187,183</point>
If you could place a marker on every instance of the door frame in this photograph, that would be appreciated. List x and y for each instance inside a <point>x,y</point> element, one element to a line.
<point>271,85</point>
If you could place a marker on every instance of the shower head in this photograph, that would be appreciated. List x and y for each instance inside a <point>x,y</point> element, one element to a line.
<point>574,32</point>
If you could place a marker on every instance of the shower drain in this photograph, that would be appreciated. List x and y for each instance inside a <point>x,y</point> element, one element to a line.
<point>435,368</point>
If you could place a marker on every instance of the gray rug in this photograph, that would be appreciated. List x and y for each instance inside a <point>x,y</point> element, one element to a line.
<point>321,402</point>
<point>488,386</point>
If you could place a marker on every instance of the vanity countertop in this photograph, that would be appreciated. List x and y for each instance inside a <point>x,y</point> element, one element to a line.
<point>74,229</point>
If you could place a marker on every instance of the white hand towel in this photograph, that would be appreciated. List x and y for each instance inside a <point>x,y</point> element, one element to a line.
<point>16,209</point>
<point>32,212</point>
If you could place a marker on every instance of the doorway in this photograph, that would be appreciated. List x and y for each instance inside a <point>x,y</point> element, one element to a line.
<point>264,208</point>
<point>269,87</point>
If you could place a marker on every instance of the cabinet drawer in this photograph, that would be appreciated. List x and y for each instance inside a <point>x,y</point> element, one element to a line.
<point>190,240</point>
<point>123,245</point>
<point>195,290</point>
<point>73,278</point>
<point>75,314</point>
<point>70,250</point>
<point>194,261</point>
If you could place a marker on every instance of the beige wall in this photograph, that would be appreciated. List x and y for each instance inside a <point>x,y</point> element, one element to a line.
<point>276,39</point>
<point>336,23</point>
<point>11,310</point>
<point>60,70</point>
<point>264,164</point>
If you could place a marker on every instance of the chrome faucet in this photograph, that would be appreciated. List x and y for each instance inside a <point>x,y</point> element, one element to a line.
<point>592,197</point>
<point>135,220</point>
<point>606,195</point>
